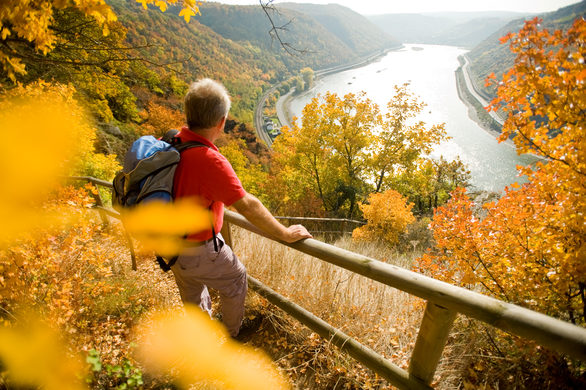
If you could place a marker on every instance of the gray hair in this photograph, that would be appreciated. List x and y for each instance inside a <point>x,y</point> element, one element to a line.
<point>206,103</point>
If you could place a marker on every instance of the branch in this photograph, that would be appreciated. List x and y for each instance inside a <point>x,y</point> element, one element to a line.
<point>48,60</point>
<point>546,154</point>
<point>267,5</point>
<point>477,254</point>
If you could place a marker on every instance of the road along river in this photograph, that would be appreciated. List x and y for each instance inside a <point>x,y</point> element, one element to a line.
<point>429,69</point>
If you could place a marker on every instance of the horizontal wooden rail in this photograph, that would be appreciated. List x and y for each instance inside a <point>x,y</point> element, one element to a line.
<point>321,219</point>
<point>370,358</point>
<point>444,303</point>
<point>553,333</point>
<point>100,182</point>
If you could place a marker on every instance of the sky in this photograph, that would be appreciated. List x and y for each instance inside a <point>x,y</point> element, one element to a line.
<point>372,7</point>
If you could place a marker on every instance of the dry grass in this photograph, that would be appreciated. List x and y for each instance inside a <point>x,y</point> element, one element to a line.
<point>380,317</point>
<point>98,299</point>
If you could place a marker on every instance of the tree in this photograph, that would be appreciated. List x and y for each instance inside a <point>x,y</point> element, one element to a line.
<point>77,42</point>
<point>402,142</point>
<point>298,85</point>
<point>331,148</point>
<point>346,148</point>
<point>430,181</point>
<point>250,174</point>
<point>307,74</point>
<point>159,119</point>
<point>387,214</point>
<point>530,246</point>
<point>32,23</point>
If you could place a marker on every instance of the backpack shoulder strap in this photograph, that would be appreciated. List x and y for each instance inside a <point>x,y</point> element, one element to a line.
<point>181,146</point>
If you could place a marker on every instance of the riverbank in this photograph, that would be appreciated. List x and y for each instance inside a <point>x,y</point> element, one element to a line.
<point>283,109</point>
<point>284,102</point>
<point>476,110</point>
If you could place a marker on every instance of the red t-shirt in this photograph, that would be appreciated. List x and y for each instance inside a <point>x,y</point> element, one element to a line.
<point>204,174</point>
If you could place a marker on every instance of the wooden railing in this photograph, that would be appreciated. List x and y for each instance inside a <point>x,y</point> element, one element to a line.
<point>325,227</point>
<point>444,302</point>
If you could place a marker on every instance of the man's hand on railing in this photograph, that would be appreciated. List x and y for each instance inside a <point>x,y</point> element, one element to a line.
<point>253,210</point>
<point>296,233</point>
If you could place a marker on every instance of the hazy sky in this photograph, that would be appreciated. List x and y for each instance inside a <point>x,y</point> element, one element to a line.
<point>368,7</point>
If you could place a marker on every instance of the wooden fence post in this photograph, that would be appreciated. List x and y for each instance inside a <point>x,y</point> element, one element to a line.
<point>431,340</point>
<point>226,232</point>
<point>100,204</point>
<point>131,247</point>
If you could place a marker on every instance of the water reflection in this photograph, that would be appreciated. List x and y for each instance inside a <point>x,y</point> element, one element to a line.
<point>430,71</point>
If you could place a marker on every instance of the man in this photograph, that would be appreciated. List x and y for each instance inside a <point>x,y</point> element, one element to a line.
<point>204,174</point>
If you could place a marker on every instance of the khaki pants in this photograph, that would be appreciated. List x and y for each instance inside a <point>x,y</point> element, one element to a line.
<point>201,267</point>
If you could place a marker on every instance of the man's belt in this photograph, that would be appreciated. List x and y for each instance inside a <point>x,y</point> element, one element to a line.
<point>194,244</point>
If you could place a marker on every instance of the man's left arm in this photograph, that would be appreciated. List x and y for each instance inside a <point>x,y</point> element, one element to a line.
<point>253,209</point>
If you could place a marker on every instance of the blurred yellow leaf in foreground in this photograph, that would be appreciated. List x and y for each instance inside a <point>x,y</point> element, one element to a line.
<point>42,130</point>
<point>34,356</point>
<point>162,226</point>
<point>199,349</point>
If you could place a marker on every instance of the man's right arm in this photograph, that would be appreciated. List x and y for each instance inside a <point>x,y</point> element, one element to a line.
<point>253,209</point>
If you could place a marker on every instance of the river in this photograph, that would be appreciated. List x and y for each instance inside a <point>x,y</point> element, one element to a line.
<point>430,71</point>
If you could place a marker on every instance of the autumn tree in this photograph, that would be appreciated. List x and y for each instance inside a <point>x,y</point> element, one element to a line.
<point>387,215</point>
<point>346,148</point>
<point>529,247</point>
<point>251,174</point>
<point>329,150</point>
<point>401,141</point>
<point>429,183</point>
<point>307,74</point>
<point>78,42</point>
<point>158,119</point>
<point>33,23</point>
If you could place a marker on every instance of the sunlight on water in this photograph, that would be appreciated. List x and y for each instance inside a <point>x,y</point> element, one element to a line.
<point>430,71</point>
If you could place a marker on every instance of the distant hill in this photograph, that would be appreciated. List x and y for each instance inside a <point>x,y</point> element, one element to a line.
<point>232,43</point>
<point>490,56</point>
<point>464,29</point>
<point>354,30</point>
<point>197,51</point>
<point>324,35</point>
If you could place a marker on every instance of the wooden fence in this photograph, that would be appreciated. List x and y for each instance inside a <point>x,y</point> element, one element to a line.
<point>444,303</point>
<point>325,227</point>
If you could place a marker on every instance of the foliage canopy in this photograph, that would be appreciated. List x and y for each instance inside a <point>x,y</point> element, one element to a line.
<point>529,247</point>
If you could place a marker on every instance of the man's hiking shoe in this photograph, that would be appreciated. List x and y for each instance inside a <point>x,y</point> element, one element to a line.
<point>249,326</point>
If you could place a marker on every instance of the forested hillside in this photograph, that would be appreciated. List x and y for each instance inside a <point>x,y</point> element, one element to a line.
<point>490,56</point>
<point>132,80</point>
<point>360,35</point>
<point>192,51</point>
<point>249,26</point>
<point>458,28</point>
<point>319,35</point>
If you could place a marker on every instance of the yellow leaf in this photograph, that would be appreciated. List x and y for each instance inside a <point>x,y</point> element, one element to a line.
<point>34,357</point>
<point>207,354</point>
<point>162,5</point>
<point>162,226</point>
<point>187,13</point>
<point>144,3</point>
<point>5,32</point>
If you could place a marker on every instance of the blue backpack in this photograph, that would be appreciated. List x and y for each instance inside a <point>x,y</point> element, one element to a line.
<point>148,173</point>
